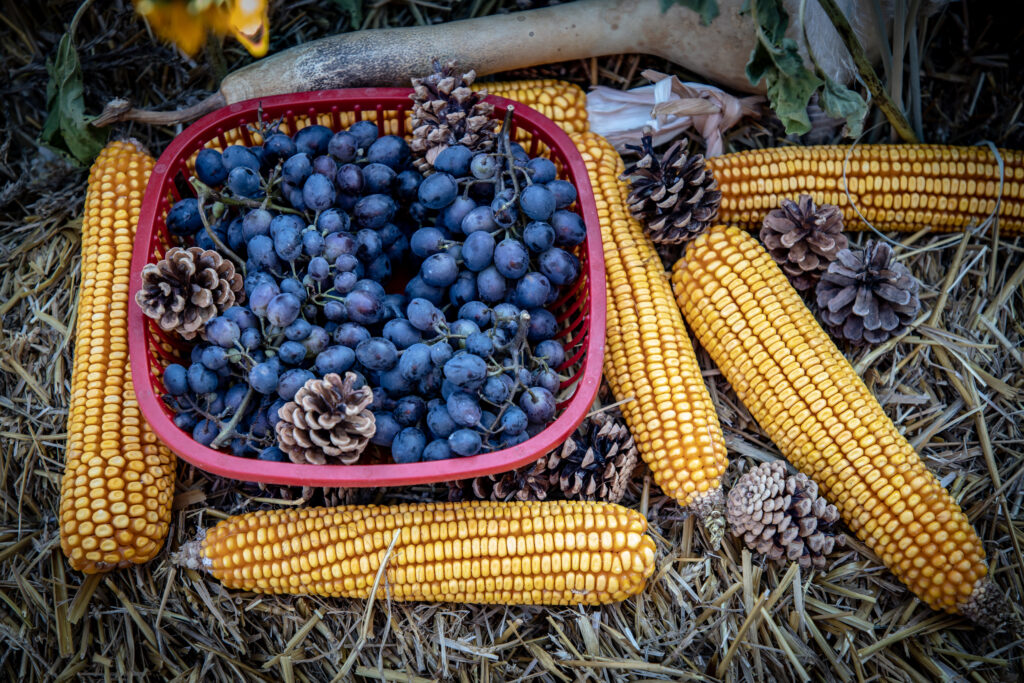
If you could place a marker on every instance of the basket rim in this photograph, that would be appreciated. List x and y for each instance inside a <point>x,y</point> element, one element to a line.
<point>370,100</point>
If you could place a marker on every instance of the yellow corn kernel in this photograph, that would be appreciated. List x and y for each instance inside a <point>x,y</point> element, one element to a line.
<point>810,401</point>
<point>115,503</point>
<point>648,355</point>
<point>536,553</point>
<point>562,102</point>
<point>894,187</point>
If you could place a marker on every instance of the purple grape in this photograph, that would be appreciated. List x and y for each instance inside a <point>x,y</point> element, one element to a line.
<point>466,370</point>
<point>478,251</point>
<point>313,140</point>
<point>264,378</point>
<point>351,334</point>
<point>559,266</point>
<point>465,442</point>
<point>513,420</point>
<point>408,445</point>
<point>438,191</point>
<point>318,192</point>
<point>569,228</point>
<point>541,170</point>
<point>389,150</point>
<point>414,363</point>
<point>490,285</point>
<point>402,333</point>
<point>387,429</point>
<point>511,258</point>
<point>336,359</point>
<point>291,352</point>
<point>236,155</point>
<point>479,219</point>
<point>538,404</point>
<point>210,167</point>
<point>377,354</point>
<point>543,325</point>
<point>205,432</point>
<point>183,218</point>
<point>440,353</point>
<point>463,408</point>
<point>326,166</point>
<point>378,178</point>
<point>409,410</point>
<point>317,340</point>
<point>278,146</point>
<point>532,290</point>
<point>298,330</point>
<point>374,210</point>
<point>291,381</point>
<point>439,422</point>
<point>222,332</point>
<point>332,220</point>
<point>453,214</point>
<point>283,309</point>
<point>343,146</point>
<point>537,202</point>
<point>261,297</point>
<point>547,379</point>
<point>175,379</point>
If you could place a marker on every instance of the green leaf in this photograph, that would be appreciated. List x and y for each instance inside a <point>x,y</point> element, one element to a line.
<point>708,9</point>
<point>355,12</point>
<point>777,60</point>
<point>840,102</point>
<point>67,127</point>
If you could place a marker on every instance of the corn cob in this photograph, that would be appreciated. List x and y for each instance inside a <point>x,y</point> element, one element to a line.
<point>562,102</point>
<point>812,404</point>
<point>115,503</point>
<point>649,357</point>
<point>895,187</point>
<point>550,553</point>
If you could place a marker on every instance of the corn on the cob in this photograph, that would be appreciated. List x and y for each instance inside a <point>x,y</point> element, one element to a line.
<point>562,102</point>
<point>649,357</point>
<point>812,404</point>
<point>118,482</point>
<point>551,553</point>
<point>895,187</point>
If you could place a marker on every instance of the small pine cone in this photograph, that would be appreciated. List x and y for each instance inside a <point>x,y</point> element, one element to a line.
<point>676,197</point>
<point>187,288</point>
<point>866,297</point>
<point>526,483</point>
<point>327,420</point>
<point>447,112</point>
<point>783,517</point>
<point>597,462</point>
<point>804,239</point>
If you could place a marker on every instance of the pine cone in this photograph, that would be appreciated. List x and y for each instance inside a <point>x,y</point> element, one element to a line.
<point>526,483</point>
<point>187,288</point>
<point>446,112</point>
<point>675,197</point>
<point>327,420</point>
<point>866,296</point>
<point>597,462</point>
<point>783,517</point>
<point>804,239</point>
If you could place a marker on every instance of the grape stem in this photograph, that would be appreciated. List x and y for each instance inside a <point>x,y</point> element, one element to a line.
<point>203,192</point>
<point>229,429</point>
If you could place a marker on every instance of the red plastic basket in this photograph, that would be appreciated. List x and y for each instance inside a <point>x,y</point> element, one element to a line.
<point>580,311</point>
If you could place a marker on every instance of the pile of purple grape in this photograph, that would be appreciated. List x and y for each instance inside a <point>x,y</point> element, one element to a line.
<point>463,361</point>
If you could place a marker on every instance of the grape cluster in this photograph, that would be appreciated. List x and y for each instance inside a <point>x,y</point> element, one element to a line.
<point>461,361</point>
